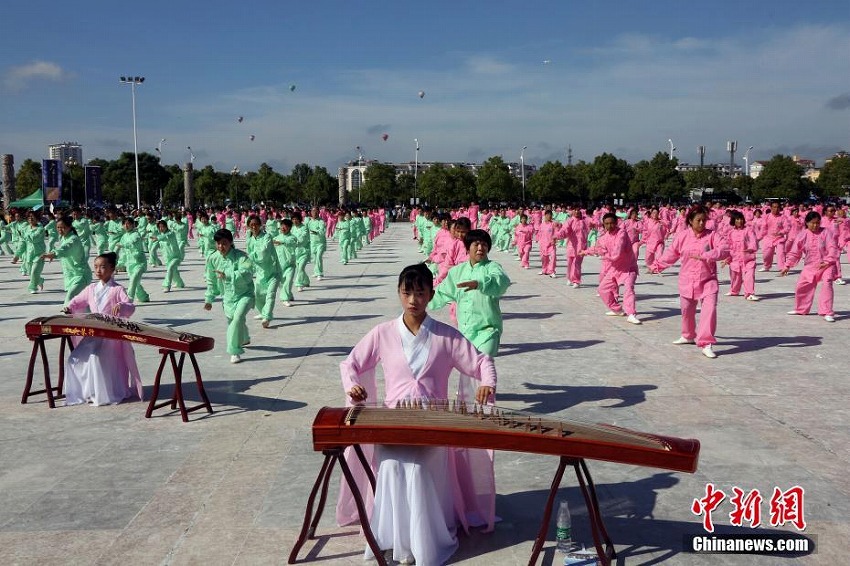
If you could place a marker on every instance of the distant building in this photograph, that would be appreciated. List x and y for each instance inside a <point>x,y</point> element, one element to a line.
<point>65,152</point>
<point>721,169</point>
<point>354,172</point>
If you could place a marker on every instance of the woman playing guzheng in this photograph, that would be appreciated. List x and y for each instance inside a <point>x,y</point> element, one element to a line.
<point>100,370</point>
<point>422,493</point>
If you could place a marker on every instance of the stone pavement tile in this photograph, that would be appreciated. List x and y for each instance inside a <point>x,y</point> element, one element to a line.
<point>49,548</point>
<point>76,509</point>
<point>171,507</point>
<point>144,546</point>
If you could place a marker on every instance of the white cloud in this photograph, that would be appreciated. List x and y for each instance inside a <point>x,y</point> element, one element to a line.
<point>18,78</point>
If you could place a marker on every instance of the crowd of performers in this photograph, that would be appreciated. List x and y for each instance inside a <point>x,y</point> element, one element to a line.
<point>701,238</point>
<point>279,245</point>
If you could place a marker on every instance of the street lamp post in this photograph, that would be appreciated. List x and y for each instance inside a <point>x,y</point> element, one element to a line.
<point>415,169</point>
<point>747,161</point>
<point>522,169</point>
<point>133,81</point>
<point>159,157</point>
<point>235,172</point>
<point>69,163</point>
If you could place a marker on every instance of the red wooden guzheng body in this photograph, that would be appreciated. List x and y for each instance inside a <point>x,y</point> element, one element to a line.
<point>105,326</point>
<point>439,424</point>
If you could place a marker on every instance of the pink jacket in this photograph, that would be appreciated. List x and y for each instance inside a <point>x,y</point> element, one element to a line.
<point>474,484</point>
<point>818,247</point>
<point>740,241</point>
<point>616,252</point>
<point>699,254</point>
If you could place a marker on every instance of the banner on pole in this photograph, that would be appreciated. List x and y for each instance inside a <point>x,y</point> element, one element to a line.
<point>51,179</point>
<point>94,192</point>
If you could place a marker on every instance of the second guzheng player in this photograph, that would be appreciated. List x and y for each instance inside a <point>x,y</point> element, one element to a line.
<point>422,494</point>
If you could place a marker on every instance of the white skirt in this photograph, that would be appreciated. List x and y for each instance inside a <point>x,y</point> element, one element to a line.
<point>97,371</point>
<point>414,512</point>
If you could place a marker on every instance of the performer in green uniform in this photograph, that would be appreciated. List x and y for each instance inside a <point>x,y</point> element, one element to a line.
<point>284,245</point>
<point>229,273</point>
<point>75,268</point>
<point>267,273</point>
<point>130,247</point>
<point>318,242</point>
<point>35,248</point>
<point>476,286</point>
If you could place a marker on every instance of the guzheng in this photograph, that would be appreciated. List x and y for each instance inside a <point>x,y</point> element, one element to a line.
<point>474,426</point>
<point>170,343</point>
<point>440,423</point>
<point>105,326</point>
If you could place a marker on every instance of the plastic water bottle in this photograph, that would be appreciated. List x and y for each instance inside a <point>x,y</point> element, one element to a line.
<point>564,531</point>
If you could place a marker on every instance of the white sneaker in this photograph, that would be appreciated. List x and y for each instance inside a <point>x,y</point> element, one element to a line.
<point>793,312</point>
<point>731,294</point>
<point>318,277</point>
<point>753,298</point>
<point>299,288</point>
<point>708,352</point>
<point>682,340</point>
<point>541,273</point>
<point>258,317</point>
<point>763,269</point>
<point>633,319</point>
<point>235,359</point>
<point>287,304</point>
<point>553,276</point>
<point>841,282</point>
<point>615,313</point>
<point>829,318</point>
<point>575,285</point>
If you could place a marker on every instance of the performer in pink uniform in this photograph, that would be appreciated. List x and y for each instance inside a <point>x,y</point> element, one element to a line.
<point>654,233</point>
<point>821,251</point>
<point>742,261</point>
<point>422,493</point>
<point>546,240</point>
<point>575,230</point>
<point>775,232</point>
<point>699,250</point>
<point>524,232</point>
<point>620,268</point>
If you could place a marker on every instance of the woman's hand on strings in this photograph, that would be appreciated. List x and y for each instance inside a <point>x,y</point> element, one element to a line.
<point>358,394</point>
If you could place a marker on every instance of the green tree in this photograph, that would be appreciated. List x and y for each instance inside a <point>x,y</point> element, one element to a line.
<point>211,186</point>
<point>701,178</point>
<point>781,178</point>
<point>28,179</point>
<point>495,182</point>
<point>267,185</point>
<point>321,187</point>
<point>608,175</point>
<point>461,185</point>
<point>174,190</point>
<point>380,185</point>
<point>834,179</point>
<point>298,181</point>
<point>119,179</point>
<point>551,183</point>
<point>580,176</point>
<point>432,185</point>
<point>657,179</point>
<point>406,183</point>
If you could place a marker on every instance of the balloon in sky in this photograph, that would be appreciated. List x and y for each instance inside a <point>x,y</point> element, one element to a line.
<point>291,88</point>
<point>239,119</point>
<point>385,137</point>
<point>251,137</point>
<point>421,94</point>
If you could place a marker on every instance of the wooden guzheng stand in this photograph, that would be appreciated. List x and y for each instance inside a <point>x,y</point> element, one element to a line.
<point>170,342</point>
<point>492,428</point>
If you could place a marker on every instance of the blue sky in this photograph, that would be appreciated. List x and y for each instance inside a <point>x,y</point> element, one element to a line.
<point>622,77</point>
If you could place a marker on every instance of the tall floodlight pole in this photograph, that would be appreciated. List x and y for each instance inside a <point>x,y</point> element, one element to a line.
<point>672,148</point>
<point>747,161</point>
<point>731,147</point>
<point>522,168</point>
<point>415,170</point>
<point>133,81</point>
<point>159,157</point>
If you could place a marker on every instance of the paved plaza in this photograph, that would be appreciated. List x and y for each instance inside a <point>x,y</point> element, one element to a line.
<point>104,485</point>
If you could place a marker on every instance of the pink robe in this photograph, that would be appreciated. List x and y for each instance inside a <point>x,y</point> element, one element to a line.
<point>101,369</point>
<point>471,477</point>
<point>697,280</point>
<point>819,248</point>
